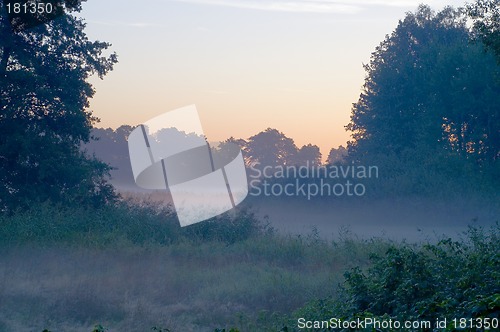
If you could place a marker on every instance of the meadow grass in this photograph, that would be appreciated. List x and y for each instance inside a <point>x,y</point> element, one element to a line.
<point>131,267</point>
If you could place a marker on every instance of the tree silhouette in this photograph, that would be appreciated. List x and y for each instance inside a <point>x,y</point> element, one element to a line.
<point>227,150</point>
<point>271,148</point>
<point>429,91</point>
<point>337,155</point>
<point>111,147</point>
<point>308,155</point>
<point>45,62</point>
<point>486,18</point>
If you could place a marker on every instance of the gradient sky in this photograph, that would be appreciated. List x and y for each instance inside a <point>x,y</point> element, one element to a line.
<point>293,65</point>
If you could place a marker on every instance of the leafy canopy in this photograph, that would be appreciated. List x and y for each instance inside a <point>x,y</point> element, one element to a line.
<point>486,18</point>
<point>45,63</point>
<point>429,91</point>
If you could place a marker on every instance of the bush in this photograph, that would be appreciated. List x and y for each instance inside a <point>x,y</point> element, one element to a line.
<point>119,223</point>
<point>445,280</point>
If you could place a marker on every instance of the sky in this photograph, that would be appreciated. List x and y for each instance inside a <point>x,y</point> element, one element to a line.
<point>293,65</point>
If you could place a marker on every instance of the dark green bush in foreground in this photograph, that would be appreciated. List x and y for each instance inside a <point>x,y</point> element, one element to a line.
<point>444,280</point>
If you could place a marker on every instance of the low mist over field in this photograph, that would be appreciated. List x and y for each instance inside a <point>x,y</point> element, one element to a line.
<point>390,205</point>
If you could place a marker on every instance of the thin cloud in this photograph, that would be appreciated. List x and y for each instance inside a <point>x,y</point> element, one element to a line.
<point>311,6</point>
<point>127,24</point>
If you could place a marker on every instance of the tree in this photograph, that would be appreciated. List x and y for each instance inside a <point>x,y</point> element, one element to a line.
<point>486,18</point>
<point>428,91</point>
<point>336,155</point>
<point>45,61</point>
<point>111,147</point>
<point>271,148</point>
<point>308,155</point>
<point>227,150</point>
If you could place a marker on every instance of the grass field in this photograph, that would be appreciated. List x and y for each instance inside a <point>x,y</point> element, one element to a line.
<point>184,287</point>
<point>132,268</point>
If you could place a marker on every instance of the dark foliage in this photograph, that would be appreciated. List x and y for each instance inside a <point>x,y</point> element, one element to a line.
<point>429,112</point>
<point>486,17</point>
<point>449,279</point>
<point>45,63</point>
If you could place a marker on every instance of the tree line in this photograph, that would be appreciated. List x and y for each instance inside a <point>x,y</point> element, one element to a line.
<point>270,147</point>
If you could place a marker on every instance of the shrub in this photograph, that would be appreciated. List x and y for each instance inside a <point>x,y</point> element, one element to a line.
<point>445,280</point>
<point>119,223</point>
